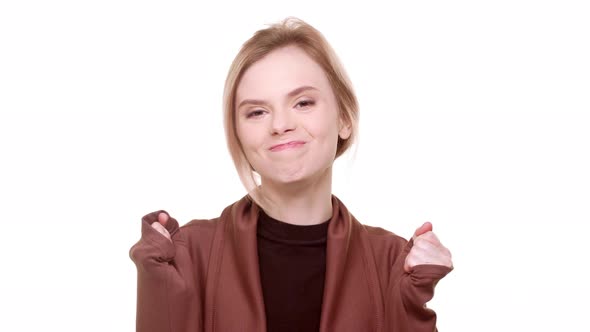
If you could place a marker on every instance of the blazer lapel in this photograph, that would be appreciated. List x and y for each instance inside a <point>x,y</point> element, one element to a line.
<point>352,299</point>
<point>235,295</point>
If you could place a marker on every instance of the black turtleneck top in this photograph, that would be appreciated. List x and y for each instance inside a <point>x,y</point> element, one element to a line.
<point>292,260</point>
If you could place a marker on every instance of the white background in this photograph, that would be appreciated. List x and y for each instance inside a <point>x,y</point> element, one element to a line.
<point>474,116</point>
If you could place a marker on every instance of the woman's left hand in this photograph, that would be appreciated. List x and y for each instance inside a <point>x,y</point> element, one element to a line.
<point>427,249</point>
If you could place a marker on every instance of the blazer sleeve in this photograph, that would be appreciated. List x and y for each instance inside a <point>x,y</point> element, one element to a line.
<point>166,291</point>
<point>408,293</point>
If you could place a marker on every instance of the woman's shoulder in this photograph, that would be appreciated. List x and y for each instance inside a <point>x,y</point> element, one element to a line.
<point>199,230</point>
<point>201,224</point>
<point>378,237</point>
<point>385,245</point>
<point>383,237</point>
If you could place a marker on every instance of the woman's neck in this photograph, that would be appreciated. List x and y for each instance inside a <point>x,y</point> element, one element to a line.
<point>306,202</point>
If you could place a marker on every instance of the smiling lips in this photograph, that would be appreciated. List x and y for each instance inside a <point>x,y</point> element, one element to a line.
<point>286,146</point>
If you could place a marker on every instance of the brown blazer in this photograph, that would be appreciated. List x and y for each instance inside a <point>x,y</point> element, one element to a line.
<point>208,278</point>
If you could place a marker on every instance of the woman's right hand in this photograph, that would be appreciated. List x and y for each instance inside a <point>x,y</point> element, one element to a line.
<point>160,225</point>
<point>168,286</point>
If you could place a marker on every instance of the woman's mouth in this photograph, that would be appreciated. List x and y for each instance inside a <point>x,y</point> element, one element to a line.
<point>286,146</point>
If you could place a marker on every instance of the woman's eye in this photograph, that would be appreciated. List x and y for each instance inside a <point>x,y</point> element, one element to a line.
<point>305,103</point>
<point>255,113</point>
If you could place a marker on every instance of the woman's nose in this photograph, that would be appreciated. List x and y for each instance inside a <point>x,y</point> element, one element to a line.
<point>282,122</point>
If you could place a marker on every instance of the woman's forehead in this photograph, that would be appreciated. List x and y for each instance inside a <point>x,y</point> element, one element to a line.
<point>281,72</point>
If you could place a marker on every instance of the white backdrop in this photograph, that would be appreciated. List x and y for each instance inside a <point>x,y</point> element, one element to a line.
<point>474,116</point>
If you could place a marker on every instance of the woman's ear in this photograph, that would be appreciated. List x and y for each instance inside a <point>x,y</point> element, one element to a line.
<point>345,129</point>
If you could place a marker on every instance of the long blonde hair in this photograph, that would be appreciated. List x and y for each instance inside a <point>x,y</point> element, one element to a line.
<point>290,31</point>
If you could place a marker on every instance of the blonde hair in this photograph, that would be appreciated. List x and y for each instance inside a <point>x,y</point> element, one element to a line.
<point>290,31</point>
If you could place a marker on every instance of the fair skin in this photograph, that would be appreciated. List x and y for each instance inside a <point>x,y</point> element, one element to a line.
<point>286,98</point>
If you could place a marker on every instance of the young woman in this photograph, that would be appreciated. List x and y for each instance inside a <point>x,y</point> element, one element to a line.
<point>288,256</point>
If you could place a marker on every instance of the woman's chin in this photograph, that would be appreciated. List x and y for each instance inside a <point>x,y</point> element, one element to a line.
<point>286,180</point>
<point>294,176</point>
<point>281,179</point>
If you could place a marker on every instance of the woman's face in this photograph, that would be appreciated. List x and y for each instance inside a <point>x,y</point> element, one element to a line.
<point>287,117</point>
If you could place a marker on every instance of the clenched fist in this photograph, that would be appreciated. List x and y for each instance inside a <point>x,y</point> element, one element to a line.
<point>427,249</point>
<point>159,225</point>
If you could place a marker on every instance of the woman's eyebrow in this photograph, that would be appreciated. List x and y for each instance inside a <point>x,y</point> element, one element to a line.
<point>290,94</point>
